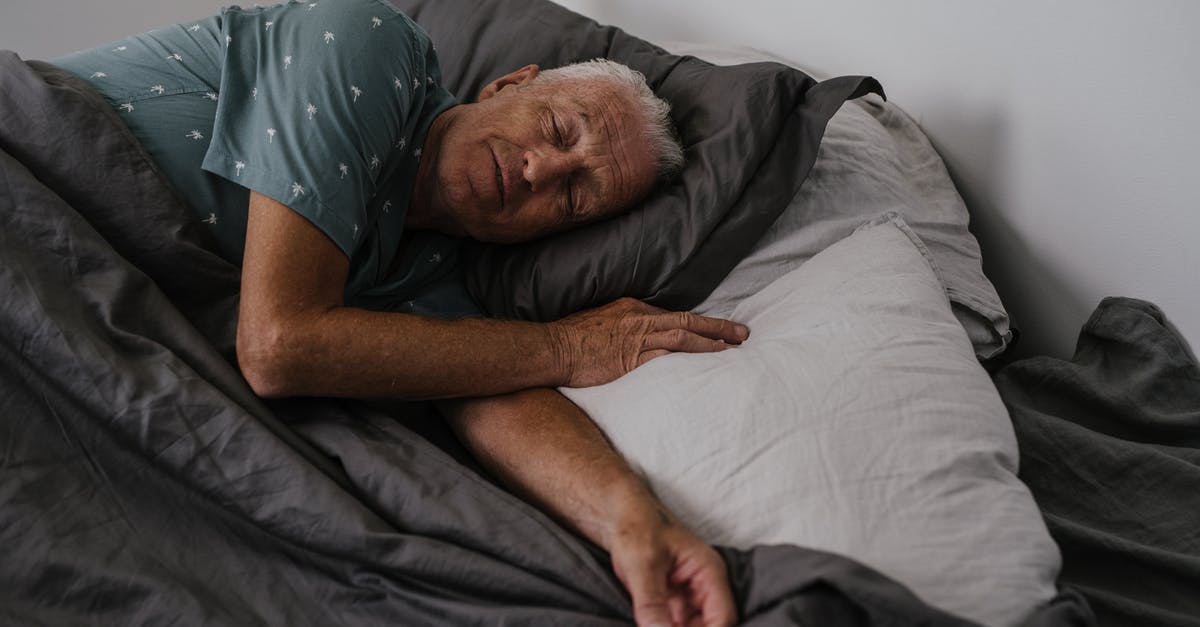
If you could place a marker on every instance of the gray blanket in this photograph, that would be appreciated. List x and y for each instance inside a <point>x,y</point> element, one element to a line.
<point>143,483</point>
<point>1110,448</point>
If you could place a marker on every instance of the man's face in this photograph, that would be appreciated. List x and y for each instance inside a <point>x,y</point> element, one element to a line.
<point>532,159</point>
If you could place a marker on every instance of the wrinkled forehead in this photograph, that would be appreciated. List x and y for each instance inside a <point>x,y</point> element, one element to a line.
<point>598,97</point>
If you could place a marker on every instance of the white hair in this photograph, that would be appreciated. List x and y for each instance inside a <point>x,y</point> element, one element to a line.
<point>658,129</point>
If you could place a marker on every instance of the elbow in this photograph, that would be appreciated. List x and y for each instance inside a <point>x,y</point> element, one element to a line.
<point>265,360</point>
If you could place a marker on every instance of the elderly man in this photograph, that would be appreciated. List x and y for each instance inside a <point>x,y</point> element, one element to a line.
<point>317,143</point>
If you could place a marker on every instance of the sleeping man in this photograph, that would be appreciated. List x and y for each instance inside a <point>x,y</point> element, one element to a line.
<point>316,142</point>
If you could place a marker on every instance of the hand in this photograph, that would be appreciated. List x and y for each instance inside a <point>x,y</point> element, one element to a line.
<point>601,344</point>
<point>674,578</point>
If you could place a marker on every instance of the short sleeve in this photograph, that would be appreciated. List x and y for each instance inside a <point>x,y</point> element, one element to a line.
<point>313,99</point>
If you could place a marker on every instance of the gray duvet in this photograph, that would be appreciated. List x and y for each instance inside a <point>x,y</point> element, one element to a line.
<point>1110,449</point>
<point>143,483</point>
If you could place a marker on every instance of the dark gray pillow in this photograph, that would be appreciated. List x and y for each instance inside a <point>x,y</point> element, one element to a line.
<point>673,249</point>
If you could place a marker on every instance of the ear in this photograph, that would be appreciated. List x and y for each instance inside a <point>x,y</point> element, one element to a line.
<point>517,78</point>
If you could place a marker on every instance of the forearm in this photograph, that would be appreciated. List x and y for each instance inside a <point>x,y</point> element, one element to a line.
<point>549,452</point>
<point>349,352</point>
<point>295,337</point>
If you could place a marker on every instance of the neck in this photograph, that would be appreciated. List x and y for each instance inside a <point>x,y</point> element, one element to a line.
<point>423,213</point>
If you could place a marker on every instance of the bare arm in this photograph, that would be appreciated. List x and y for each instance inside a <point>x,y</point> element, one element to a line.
<point>295,336</point>
<point>548,451</point>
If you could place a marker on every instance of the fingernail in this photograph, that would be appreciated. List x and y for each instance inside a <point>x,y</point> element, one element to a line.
<point>743,331</point>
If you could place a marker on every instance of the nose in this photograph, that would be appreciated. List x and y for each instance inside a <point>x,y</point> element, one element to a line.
<point>545,168</point>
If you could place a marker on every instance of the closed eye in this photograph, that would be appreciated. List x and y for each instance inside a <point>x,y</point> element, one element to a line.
<point>558,134</point>
<point>561,141</point>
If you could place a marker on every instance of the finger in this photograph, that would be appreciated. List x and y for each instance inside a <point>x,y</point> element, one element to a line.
<point>712,595</point>
<point>717,608</point>
<point>682,341</point>
<point>683,610</point>
<point>648,589</point>
<point>646,356</point>
<point>706,586</point>
<point>714,328</point>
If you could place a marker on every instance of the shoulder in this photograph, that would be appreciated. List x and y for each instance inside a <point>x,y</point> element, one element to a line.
<point>360,20</point>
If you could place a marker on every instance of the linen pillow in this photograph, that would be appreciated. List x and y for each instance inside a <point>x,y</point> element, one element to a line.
<point>676,247</point>
<point>856,419</point>
<point>873,159</point>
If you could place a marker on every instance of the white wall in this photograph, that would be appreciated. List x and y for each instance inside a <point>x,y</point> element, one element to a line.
<point>1071,128</point>
<point>45,29</point>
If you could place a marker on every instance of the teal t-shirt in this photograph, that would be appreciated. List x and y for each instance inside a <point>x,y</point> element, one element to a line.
<point>323,106</point>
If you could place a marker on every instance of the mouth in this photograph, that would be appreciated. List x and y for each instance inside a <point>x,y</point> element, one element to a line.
<point>499,180</point>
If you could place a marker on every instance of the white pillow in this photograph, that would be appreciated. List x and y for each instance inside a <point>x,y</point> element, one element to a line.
<point>855,420</point>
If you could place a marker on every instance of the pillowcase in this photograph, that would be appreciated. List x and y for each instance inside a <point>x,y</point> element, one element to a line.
<point>873,159</point>
<point>857,420</point>
<point>678,245</point>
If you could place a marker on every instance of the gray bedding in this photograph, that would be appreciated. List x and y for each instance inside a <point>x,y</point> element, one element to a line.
<point>1110,448</point>
<point>143,483</point>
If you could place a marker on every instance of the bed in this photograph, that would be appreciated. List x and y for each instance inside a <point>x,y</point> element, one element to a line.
<point>871,458</point>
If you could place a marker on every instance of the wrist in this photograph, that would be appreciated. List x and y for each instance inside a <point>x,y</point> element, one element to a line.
<point>559,351</point>
<point>636,517</point>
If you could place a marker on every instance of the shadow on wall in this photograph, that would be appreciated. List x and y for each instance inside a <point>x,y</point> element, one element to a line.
<point>1043,306</point>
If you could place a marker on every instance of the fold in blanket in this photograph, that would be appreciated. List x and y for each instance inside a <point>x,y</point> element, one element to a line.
<point>142,482</point>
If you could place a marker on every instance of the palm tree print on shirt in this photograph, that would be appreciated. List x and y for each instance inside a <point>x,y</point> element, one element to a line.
<point>328,37</point>
<point>270,136</point>
<point>376,22</point>
<point>287,61</point>
<point>311,109</point>
<point>238,166</point>
<point>158,89</point>
<point>356,91</point>
<point>297,190</point>
<point>126,107</point>
<point>344,169</point>
<point>195,134</point>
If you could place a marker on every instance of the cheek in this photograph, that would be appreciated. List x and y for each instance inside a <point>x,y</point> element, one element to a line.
<point>455,187</point>
<point>542,217</point>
